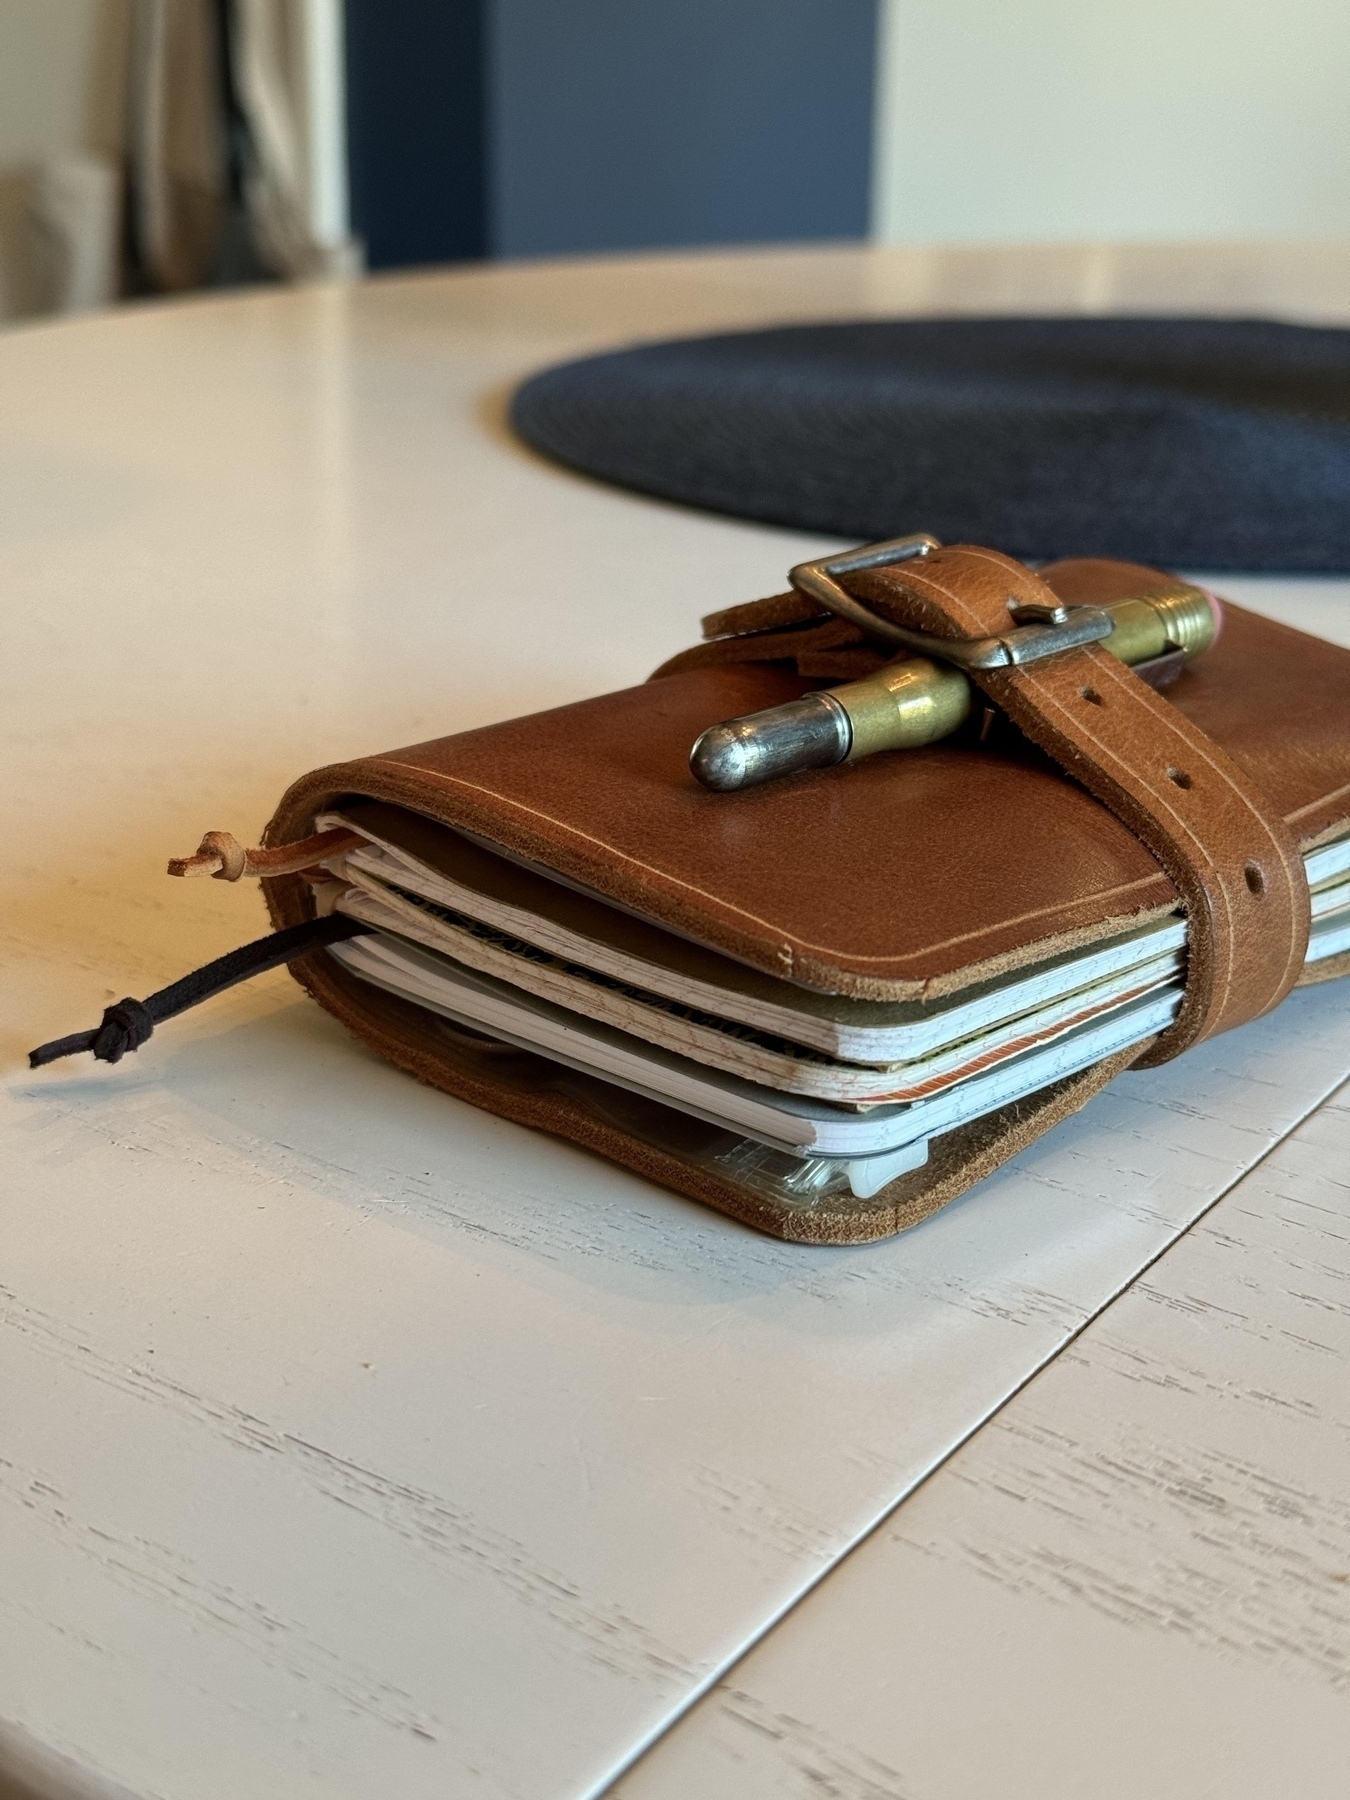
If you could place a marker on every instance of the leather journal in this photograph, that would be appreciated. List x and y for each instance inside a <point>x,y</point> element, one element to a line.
<point>829,1004</point>
<point>1188,844</point>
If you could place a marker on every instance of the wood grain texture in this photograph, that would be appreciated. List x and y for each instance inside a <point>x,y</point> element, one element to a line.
<point>1135,1580</point>
<point>352,1441</point>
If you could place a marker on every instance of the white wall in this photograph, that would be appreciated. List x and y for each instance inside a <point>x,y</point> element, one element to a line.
<point>61,94</point>
<point>55,95</point>
<point>1056,120</point>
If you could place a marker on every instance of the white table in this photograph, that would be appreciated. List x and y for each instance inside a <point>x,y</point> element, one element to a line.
<point>354,1442</point>
<point>1134,1581</point>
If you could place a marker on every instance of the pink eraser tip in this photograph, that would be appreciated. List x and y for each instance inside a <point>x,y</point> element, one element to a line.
<point>1215,609</point>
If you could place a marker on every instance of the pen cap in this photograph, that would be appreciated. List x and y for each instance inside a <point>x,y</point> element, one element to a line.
<point>1175,617</point>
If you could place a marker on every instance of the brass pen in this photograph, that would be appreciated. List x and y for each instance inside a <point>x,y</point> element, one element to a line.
<point>917,701</point>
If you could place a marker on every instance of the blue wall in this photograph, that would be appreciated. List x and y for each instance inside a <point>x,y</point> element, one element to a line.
<point>417,129</point>
<point>617,124</point>
<point>528,127</point>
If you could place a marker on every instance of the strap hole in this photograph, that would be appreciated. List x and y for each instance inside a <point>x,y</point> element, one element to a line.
<point>1179,776</point>
<point>1256,880</point>
<point>1092,697</point>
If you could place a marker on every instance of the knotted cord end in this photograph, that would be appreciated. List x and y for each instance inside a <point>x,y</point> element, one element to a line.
<point>127,1024</point>
<point>221,855</point>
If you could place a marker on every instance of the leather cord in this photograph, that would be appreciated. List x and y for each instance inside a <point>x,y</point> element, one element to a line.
<point>1234,862</point>
<point>221,855</point>
<point>127,1024</point>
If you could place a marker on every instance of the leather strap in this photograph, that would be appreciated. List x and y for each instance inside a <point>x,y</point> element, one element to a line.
<point>1235,864</point>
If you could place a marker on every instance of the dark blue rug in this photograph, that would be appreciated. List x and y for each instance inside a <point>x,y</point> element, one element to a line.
<point>1204,444</point>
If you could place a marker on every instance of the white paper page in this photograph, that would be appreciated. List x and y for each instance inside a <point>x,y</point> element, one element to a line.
<point>935,1028</point>
<point>784,1121</point>
<point>736,1049</point>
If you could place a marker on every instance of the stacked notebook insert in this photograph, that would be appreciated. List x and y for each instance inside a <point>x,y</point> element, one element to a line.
<point>819,1093</point>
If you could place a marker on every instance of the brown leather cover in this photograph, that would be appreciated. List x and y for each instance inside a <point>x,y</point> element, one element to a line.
<point>902,877</point>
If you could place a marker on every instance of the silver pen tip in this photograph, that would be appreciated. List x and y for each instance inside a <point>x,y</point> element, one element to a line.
<point>718,759</point>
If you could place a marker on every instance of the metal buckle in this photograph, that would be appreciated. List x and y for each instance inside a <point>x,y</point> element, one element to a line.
<point>1038,630</point>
